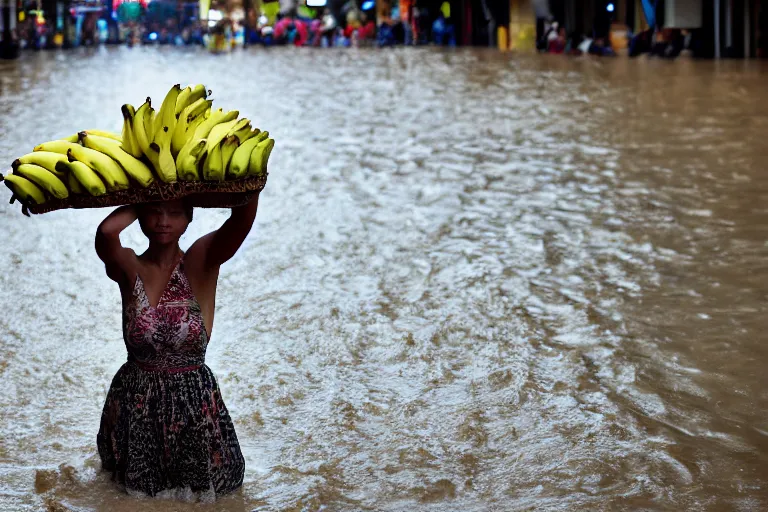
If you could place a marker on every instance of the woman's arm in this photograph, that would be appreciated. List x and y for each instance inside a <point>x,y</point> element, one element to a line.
<point>220,245</point>
<point>115,257</point>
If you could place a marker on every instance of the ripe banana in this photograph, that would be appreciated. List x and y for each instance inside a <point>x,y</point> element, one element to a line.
<point>44,159</point>
<point>260,157</point>
<point>198,91</point>
<point>182,133</point>
<point>130,143</point>
<point>246,133</point>
<point>165,121</point>
<point>186,161</point>
<point>216,117</point>
<point>238,166</point>
<point>102,133</point>
<point>99,133</point>
<point>135,168</point>
<point>218,133</point>
<point>112,174</point>
<point>25,190</point>
<point>74,186</point>
<point>44,179</point>
<point>241,127</point>
<point>212,167</point>
<point>85,175</point>
<point>139,127</point>
<point>228,147</point>
<point>182,100</point>
<point>166,165</point>
<point>149,123</point>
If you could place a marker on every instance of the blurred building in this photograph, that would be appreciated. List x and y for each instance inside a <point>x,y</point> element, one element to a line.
<point>720,28</point>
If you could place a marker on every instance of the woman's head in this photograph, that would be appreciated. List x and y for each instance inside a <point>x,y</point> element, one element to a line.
<point>164,222</point>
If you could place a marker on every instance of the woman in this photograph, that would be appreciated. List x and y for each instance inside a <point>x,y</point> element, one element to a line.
<point>164,426</point>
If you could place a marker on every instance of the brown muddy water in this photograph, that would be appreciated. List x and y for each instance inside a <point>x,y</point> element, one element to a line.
<point>477,282</point>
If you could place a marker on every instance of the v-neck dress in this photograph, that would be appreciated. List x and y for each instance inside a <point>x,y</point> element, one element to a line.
<point>164,428</point>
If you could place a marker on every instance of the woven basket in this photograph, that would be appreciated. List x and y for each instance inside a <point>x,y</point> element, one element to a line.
<point>202,194</point>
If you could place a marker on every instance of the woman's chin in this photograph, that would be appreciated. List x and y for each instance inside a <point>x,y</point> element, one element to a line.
<point>164,238</point>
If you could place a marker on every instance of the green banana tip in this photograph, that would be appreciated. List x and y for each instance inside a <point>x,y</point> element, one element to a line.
<point>15,164</point>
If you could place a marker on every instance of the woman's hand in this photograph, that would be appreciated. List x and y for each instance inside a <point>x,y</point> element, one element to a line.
<point>118,220</point>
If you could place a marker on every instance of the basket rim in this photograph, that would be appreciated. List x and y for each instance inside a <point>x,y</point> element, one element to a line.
<point>212,194</point>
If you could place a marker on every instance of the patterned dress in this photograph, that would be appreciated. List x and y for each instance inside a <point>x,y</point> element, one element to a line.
<point>164,427</point>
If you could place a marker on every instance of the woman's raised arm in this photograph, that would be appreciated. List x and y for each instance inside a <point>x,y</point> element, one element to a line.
<point>116,258</point>
<point>220,245</point>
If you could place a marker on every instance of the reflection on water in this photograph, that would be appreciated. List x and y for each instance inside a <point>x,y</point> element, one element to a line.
<point>478,281</point>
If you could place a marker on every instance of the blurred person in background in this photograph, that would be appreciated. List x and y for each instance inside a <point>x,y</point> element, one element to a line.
<point>557,44</point>
<point>442,29</point>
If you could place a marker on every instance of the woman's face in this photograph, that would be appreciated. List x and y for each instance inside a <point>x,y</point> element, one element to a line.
<point>163,222</point>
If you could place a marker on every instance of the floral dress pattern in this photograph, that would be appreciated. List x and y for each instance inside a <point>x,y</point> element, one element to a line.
<point>164,427</point>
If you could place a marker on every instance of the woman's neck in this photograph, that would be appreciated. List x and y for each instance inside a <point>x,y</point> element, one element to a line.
<point>164,256</point>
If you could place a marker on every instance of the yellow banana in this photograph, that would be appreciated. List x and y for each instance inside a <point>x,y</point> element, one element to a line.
<point>246,133</point>
<point>242,125</point>
<point>218,133</point>
<point>260,157</point>
<point>195,123</point>
<point>89,180</point>
<point>166,165</point>
<point>130,144</point>
<point>216,117</point>
<point>189,96</point>
<point>182,133</point>
<point>139,127</point>
<point>112,174</point>
<point>198,107</point>
<point>26,191</point>
<point>108,135</point>
<point>182,101</point>
<point>165,121</point>
<point>45,159</point>
<point>74,186</point>
<point>228,147</point>
<point>238,166</point>
<point>135,168</point>
<point>198,91</point>
<point>164,125</point>
<point>44,179</point>
<point>149,124</point>
<point>186,161</point>
<point>98,133</point>
<point>212,168</point>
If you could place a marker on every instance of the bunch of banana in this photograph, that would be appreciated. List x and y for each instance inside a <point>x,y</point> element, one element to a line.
<point>184,140</point>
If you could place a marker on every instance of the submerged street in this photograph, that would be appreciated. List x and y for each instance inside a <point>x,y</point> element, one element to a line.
<point>477,281</point>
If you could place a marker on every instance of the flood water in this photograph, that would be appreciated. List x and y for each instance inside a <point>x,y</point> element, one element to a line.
<point>477,281</point>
